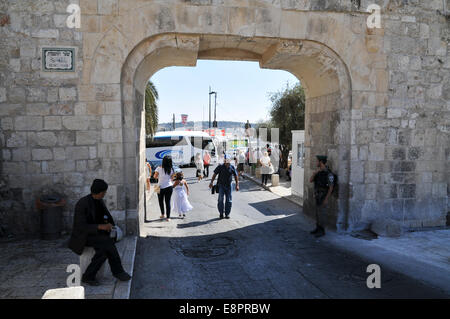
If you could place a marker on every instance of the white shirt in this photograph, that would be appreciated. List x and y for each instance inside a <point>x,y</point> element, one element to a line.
<point>164,180</point>
<point>265,160</point>
<point>241,158</point>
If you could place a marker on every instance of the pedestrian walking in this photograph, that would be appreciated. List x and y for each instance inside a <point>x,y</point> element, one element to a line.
<point>164,174</point>
<point>206,163</point>
<point>92,226</point>
<point>181,203</point>
<point>324,182</point>
<point>266,168</point>
<point>200,167</point>
<point>275,159</point>
<point>241,162</point>
<point>289,173</point>
<point>225,172</point>
<point>149,174</point>
<point>252,156</point>
<point>268,149</point>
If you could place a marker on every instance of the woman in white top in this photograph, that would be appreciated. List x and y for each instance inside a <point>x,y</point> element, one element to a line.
<point>200,167</point>
<point>266,168</point>
<point>164,174</point>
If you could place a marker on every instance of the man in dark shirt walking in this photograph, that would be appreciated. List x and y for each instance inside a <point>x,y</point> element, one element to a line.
<point>91,227</point>
<point>226,172</point>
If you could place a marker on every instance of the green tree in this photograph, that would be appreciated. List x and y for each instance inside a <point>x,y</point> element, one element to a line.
<point>151,109</point>
<point>287,114</point>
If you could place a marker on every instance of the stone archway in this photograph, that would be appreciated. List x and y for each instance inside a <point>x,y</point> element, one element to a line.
<point>320,50</point>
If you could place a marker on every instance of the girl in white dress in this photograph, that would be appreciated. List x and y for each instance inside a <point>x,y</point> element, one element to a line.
<point>181,203</point>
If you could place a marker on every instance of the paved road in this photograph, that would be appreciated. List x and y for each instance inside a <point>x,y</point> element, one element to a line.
<point>264,251</point>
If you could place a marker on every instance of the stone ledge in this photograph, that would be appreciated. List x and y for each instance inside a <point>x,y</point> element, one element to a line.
<point>128,252</point>
<point>65,293</point>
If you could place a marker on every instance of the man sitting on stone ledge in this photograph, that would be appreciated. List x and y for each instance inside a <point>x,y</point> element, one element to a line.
<point>91,227</point>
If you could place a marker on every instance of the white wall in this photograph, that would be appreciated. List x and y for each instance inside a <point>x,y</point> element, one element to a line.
<point>298,171</point>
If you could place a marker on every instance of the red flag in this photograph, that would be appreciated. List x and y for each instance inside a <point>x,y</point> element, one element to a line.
<point>184,118</point>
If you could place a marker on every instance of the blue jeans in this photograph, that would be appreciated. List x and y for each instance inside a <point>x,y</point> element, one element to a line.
<point>224,190</point>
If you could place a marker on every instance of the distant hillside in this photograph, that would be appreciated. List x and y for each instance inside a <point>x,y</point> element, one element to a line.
<point>201,125</point>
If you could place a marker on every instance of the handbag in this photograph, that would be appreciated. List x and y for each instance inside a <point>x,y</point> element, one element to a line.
<point>215,189</point>
<point>157,189</point>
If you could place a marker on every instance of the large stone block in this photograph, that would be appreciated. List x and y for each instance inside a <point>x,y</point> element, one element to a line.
<point>77,152</point>
<point>21,154</point>
<point>111,121</point>
<point>18,139</point>
<point>74,179</point>
<point>86,137</point>
<point>387,227</point>
<point>68,94</point>
<point>108,7</point>
<point>52,123</point>
<point>16,95</point>
<point>41,154</point>
<point>376,151</point>
<point>7,123</point>
<point>79,123</point>
<point>40,109</point>
<point>46,139</point>
<point>61,166</point>
<point>46,34</point>
<point>65,138</point>
<point>111,136</point>
<point>28,123</point>
<point>2,95</point>
<point>13,168</point>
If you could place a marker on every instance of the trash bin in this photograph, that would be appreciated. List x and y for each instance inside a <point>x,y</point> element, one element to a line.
<point>51,207</point>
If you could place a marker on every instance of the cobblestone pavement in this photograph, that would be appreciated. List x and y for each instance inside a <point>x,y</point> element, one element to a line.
<point>264,251</point>
<point>30,267</point>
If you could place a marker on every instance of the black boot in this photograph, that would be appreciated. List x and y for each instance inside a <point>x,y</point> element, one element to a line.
<point>315,230</point>
<point>320,232</point>
<point>123,276</point>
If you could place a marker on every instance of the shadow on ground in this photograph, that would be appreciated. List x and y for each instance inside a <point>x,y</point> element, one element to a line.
<point>274,259</point>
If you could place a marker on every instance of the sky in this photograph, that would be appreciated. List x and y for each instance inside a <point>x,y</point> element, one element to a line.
<point>242,90</point>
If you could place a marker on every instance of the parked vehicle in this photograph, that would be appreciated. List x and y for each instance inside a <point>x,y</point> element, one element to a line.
<point>181,145</point>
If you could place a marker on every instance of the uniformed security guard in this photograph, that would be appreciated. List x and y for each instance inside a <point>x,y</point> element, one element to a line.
<point>323,180</point>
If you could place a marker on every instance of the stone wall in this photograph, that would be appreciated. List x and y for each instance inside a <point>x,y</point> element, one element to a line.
<point>388,140</point>
<point>45,145</point>
<point>400,141</point>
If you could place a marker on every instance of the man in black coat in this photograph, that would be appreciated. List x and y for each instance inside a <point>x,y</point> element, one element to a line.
<point>92,225</point>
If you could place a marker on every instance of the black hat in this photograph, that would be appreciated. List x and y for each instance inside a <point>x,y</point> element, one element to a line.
<point>322,158</point>
<point>98,186</point>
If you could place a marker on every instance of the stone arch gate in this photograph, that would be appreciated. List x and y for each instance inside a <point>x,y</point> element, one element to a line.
<point>329,53</point>
<point>377,99</point>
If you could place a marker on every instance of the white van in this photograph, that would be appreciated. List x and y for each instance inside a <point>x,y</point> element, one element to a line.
<point>182,146</point>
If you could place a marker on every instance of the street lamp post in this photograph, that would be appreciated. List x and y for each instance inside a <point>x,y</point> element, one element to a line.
<point>209,123</point>
<point>215,107</point>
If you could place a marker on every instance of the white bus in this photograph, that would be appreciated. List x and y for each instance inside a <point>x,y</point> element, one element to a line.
<point>182,146</point>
